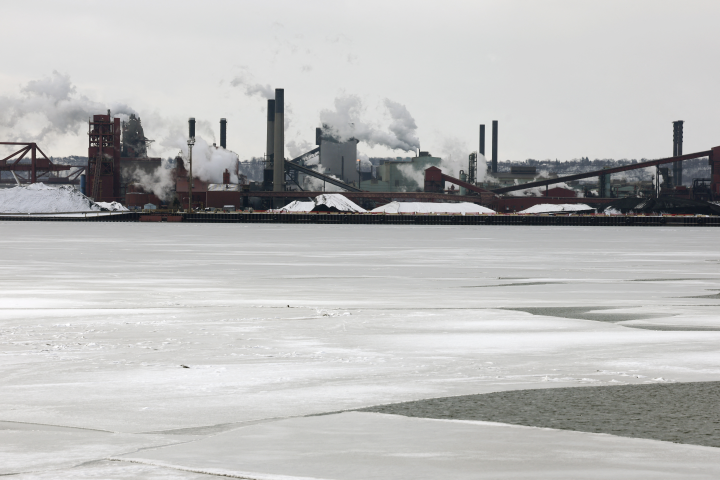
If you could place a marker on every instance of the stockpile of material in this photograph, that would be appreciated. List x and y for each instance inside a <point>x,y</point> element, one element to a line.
<point>428,207</point>
<point>669,205</point>
<point>111,206</point>
<point>41,198</point>
<point>559,208</point>
<point>328,202</point>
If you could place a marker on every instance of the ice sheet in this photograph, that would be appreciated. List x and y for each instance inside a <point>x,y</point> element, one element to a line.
<point>365,446</point>
<point>277,321</point>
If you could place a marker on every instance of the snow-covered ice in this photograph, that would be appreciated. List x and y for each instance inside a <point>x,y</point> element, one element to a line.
<point>390,446</point>
<point>430,207</point>
<point>98,322</point>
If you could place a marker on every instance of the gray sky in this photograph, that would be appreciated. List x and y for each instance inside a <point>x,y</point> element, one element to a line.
<point>602,79</point>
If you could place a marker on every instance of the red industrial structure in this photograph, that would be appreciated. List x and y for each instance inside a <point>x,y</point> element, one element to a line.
<point>103,176</point>
<point>37,169</point>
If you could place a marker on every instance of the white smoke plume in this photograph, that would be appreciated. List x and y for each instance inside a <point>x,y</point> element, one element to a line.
<point>50,105</point>
<point>455,156</point>
<point>315,184</point>
<point>298,147</point>
<point>161,181</point>
<point>210,162</point>
<point>245,81</point>
<point>481,167</point>
<point>403,124</point>
<point>346,122</point>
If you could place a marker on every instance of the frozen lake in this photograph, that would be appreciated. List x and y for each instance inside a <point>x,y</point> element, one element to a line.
<point>186,350</point>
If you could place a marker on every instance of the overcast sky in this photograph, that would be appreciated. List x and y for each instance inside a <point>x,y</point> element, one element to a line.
<point>565,79</point>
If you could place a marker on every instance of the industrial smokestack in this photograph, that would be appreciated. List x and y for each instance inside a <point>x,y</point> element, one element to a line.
<point>270,130</point>
<point>191,127</point>
<point>482,140</point>
<point>494,146</point>
<point>223,133</point>
<point>677,151</point>
<point>270,147</point>
<point>279,142</point>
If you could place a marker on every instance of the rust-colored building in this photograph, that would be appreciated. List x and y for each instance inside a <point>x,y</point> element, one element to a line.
<point>103,173</point>
<point>560,192</point>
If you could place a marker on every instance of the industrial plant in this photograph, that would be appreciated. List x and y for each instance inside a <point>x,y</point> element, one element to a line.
<point>119,170</point>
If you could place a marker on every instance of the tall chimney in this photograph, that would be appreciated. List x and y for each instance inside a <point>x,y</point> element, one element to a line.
<point>279,142</point>
<point>677,151</point>
<point>270,130</point>
<point>482,140</point>
<point>191,142</point>
<point>191,127</point>
<point>494,146</point>
<point>223,133</point>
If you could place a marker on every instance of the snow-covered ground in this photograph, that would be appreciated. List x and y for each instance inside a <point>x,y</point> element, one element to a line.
<point>558,208</point>
<point>430,207</point>
<point>327,200</point>
<point>41,198</point>
<point>112,206</point>
<point>215,341</point>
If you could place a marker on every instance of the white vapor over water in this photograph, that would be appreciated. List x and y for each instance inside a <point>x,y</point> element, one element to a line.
<point>346,121</point>
<point>50,105</point>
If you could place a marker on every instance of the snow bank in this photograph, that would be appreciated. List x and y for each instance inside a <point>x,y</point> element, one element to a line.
<point>327,202</point>
<point>112,206</point>
<point>296,206</point>
<point>558,208</point>
<point>429,207</point>
<point>41,198</point>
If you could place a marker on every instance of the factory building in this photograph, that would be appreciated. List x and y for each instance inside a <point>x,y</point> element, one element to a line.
<point>337,158</point>
<point>402,175</point>
<point>115,152</point>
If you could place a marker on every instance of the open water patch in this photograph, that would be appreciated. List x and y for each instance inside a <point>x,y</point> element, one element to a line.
<point>586,313</point>
<point>678,412</point>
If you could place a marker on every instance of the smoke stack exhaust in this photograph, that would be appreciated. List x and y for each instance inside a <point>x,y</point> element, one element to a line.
<point>482,140</point>
<point>279,142</point>
<point>494,146</point>
<point>191,127</point>
<point>223,133</point>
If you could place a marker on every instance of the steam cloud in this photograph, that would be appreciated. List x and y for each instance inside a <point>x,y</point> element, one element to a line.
<point>244,81</point>
<point>55,98</point>
<point>160,181</point>
<point>346,122</point>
